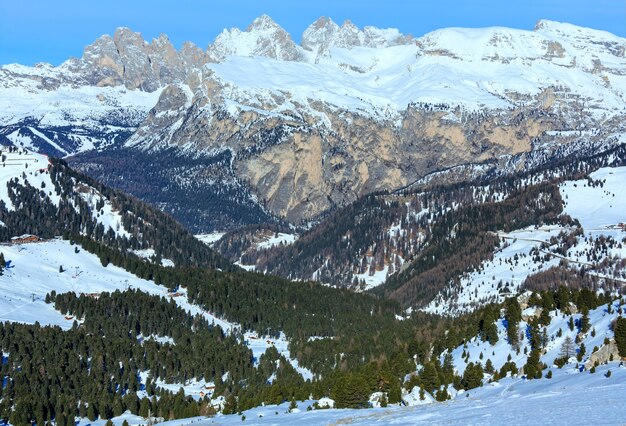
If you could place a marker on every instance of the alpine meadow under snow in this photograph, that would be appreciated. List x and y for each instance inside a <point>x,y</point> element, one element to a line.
<point>363,228</point>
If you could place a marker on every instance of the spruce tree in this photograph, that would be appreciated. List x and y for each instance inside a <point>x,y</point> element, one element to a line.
<point>533,366</point>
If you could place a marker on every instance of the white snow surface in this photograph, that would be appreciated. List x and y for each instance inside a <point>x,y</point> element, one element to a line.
<point>472,68</point>
<point>210,239</point>
<point>599,207</point>
<point>31,165</point>
<point>276,240</point>
<point>568,398</point>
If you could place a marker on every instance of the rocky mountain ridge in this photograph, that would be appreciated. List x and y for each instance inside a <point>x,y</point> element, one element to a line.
<point>313,126</point>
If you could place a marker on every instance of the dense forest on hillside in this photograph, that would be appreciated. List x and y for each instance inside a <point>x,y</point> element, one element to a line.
<point>75,217</point>
<point>99,364</point>
<point>201,193</point>
<point>464,238</point>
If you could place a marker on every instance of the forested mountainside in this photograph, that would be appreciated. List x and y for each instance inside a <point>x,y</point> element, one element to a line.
<point>44,197</point>
<point>374,110</point>
<point>144,326</point>
<point>200,193</point>
<point>413,244</point>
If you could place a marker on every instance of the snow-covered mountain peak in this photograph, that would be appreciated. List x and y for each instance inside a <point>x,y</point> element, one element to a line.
<point>565,45</point>
<point>263,22</point>
<point>596,43</point>
<point>324,34</point>
<point>263,37</point>
<point>318,35</point>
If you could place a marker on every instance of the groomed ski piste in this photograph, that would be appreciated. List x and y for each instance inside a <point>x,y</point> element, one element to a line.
<point>569,398</point>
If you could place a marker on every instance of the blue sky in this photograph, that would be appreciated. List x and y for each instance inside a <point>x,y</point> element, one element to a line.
<point>46,30</point>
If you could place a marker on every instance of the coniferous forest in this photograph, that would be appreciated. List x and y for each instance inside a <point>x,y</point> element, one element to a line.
<point>123,345</point>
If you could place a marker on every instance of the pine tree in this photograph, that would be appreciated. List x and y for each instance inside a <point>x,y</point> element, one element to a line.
<point>584,321</point>
<point>533,366</point>
<point>442,395</point>
<point>429,377</point>
<point>472,376</point>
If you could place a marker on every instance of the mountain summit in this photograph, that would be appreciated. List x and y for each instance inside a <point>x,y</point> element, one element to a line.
<point>263,37</point>
<point>292,131</point>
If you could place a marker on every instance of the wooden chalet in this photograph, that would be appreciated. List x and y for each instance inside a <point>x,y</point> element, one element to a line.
<point>24,239</point>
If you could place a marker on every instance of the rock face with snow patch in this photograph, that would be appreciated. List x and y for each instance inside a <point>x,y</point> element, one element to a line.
<point>263,37</point>
<point>311,127</point>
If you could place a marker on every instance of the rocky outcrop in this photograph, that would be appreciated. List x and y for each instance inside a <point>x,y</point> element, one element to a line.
<point>324,34</point>
<point>127,59</point>
<point>606,353</point>
<point>263,37</point>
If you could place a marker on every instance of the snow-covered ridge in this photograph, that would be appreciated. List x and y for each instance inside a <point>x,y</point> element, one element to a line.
<point>601,212</point>
<point>28,168</point>
<point>475,68</point>
<point>371,71</point>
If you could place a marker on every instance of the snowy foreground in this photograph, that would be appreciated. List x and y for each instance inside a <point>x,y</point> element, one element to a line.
<point>570,398</point>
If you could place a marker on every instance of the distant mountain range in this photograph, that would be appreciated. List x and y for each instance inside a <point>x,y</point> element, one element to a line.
<point>257,128</point>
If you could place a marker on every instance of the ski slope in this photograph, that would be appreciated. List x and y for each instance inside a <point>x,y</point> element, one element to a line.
<point>566,399</point>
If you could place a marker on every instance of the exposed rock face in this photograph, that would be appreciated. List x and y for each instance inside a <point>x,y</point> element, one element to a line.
<point>127,59</point>
<point>324,34</point>
<point>351,111</point>
<point>606,353</point>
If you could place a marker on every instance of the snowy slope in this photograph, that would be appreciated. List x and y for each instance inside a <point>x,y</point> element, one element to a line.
<point>600,209</point>
<point>572,399</point>
<point>91,115</point>
<point>597,208</point>
<point>33,271</point>
<point>599,319</point>
<point>31,169</point>
<point>474,68</point>
<point>25,166</point>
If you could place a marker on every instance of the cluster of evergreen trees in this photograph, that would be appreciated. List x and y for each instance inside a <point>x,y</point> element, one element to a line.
<point>93,369</point>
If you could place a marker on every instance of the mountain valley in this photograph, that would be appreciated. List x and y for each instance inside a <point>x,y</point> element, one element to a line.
<point>360,227</point>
